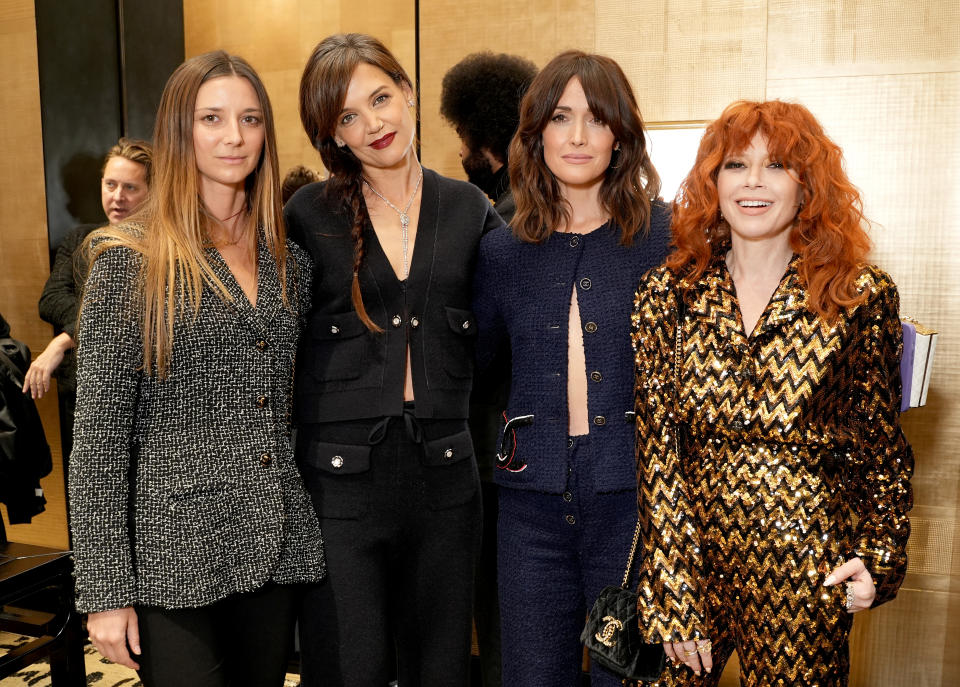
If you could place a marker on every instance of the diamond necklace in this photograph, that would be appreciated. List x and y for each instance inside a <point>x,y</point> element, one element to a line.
<point>404,217</point>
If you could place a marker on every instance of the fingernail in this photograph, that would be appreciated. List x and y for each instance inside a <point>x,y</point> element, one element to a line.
<point>830,580</point>
<point>708,670</point>
<point>697,673</point>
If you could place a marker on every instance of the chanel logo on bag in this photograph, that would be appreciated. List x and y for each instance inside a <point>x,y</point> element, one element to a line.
<point>611,626</point>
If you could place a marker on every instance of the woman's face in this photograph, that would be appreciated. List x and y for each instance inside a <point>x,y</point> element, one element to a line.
<point>375,122</point>
<point>577,146</point>
<point>759,197</point>
<point>228,132</point>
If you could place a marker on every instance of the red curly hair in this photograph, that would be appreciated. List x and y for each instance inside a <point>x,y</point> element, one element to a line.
<point>828,232</point>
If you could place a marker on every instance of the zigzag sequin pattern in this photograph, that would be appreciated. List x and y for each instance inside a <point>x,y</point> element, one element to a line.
<point>791,461</point>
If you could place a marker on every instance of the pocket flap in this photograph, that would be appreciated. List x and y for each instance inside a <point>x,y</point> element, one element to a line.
<point>339,326</point>
<point>449,449</point>
<point>461,321</point>
<point>338,459</point>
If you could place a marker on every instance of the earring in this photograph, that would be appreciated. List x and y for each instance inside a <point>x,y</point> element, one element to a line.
<point>410,102</point>
<point>340,143</point>
<point>616,148</point>
<point>720,212</point>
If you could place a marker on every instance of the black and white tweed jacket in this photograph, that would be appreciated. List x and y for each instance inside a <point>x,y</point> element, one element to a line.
<point>184,490</point>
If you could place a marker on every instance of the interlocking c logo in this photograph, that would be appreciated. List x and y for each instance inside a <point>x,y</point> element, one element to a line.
<point>605,635</point>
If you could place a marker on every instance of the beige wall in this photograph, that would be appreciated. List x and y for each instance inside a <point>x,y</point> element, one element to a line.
<point>277,37</point>
<point>884,78</point>
<point>24,262</point>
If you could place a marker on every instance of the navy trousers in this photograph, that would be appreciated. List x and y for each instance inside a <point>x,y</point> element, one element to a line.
<point>556,552</point>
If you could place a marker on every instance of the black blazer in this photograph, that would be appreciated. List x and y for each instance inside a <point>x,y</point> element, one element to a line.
<point>344,370</point>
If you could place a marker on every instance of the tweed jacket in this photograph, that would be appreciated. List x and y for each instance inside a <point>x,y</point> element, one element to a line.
<point>347,371</point>
<point>522,304</point>
<point>183,490</point>
<point>791,456</point>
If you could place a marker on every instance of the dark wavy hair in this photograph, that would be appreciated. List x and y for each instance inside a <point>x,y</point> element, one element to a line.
<point>323,89</point>
<point>480,97</point>
<point>631,183</point>
<point>828,232</point>
<point>295,178</point>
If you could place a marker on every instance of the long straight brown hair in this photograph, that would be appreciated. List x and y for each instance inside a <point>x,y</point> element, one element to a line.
<point>323,90</point>
<point>170,232</point>
<point>630,183</point>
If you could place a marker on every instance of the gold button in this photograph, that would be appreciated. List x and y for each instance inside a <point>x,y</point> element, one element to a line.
<point>570,520</point>
<point>261,345</point>
<point>599,420</point>
<point>590,327</point>
<point>265,459</point>
<point>396,321</point>
<point>261,401</point>
<point>596,376</point>
<point>337,462</point>
<point>567,496</point>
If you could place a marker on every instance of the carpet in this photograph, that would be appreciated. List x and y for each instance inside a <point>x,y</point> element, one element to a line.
<point>100,672</point>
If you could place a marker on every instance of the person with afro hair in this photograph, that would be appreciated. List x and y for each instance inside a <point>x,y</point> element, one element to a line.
<point>480,97</point>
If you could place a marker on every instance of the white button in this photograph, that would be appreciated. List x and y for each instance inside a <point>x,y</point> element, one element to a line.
<point>337,462</point>
<point>448,454</point>
<point>466,324</point>
<point>334,329</point>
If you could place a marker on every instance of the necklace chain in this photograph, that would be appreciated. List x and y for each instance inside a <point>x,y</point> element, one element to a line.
<point>404,217</point>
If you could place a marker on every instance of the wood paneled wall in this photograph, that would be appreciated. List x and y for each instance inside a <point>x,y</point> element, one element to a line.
<point>24,256</point>
<point>884,79</point>
<point>277,37</point>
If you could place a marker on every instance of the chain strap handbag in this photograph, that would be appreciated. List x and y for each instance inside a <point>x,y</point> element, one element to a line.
<point>612,633</point>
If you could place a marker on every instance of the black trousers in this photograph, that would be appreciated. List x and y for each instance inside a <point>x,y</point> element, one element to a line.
<point>400,539</point>
<point>241,641</point>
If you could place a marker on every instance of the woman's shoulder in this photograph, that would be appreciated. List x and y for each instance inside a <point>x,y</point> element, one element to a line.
<point>873,278</point>
<point>500,243</point>
<point>312,199</point>
<point>659,280</point>
<point>118,245</point>
<point>464,190</point>
<point>878,289</point>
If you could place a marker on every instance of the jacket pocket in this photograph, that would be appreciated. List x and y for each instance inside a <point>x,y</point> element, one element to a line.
<point>337,347</point>
<point>450,471</point>
<point>459,355</point>
<point>337,477</point>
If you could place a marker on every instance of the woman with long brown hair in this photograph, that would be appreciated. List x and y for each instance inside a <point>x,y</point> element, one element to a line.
<point>771,466</point>
<point>555,292</point>
<point>191,525</point>
<point>383,381</point>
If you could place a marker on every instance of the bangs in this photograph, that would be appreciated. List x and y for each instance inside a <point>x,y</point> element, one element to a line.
<point>785,144</point>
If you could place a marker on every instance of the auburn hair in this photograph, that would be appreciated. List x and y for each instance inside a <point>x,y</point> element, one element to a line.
<point>323,90</point>
<point>630,183</point>
<point>170,229</point>
<point>828,233</point>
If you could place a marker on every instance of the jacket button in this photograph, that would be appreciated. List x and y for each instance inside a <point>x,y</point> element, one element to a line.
<point>414,322</point>
<point>261,345</point>
<point>570,520</point>
<point>265,459</point>
<point>448,454</point>
<point>596,376</point>
<point>261,401</point>
<point>396,321</point>
<point>334,329</point>
<point>337,462</point>
<point>574,241</point>
<point>466,324</point>
<point>599,420</point>
<point>585,283</point>
<point>567,496</point>
<point>590,327</point>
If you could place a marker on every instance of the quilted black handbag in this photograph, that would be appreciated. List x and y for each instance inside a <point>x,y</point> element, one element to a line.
<point>612,633</point>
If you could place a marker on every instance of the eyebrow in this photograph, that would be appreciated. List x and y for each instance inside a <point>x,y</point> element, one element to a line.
<point>219,108</point>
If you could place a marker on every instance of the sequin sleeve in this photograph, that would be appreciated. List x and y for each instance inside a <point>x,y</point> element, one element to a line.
<point>881,484</point>
<point>670,561</point>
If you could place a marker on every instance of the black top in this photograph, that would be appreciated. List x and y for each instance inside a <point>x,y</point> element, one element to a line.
<point>344,370</point>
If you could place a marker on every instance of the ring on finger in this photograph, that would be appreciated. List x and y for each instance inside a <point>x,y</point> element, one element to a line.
<point>705,647</point>
<point>850,596</point>
<point>692,652</point>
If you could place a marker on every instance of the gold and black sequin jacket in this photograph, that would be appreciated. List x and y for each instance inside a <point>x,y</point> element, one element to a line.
<point>792,459</point>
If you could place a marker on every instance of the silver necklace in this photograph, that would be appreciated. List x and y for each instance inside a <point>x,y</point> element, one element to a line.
<point>404,217</point>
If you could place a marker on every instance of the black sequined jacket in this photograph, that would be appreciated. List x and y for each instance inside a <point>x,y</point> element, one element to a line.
<point>790,437</point>
<point>183,490</point>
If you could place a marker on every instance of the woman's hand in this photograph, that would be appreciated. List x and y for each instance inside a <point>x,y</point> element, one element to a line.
<point>113,632</point>
<point>860,589</point>
<point>37,380</point>
<point>695,654</point>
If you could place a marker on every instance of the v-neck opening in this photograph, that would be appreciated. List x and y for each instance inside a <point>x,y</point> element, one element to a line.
<point>731,287</point>
<point>418,242</point>
<point>233,284</point>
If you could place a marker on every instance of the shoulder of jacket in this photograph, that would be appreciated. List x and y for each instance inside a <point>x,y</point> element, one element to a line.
<point>462,189</point>
<point>658,280</point>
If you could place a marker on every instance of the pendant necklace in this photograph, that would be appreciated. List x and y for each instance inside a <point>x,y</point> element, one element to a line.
<point>404,217</point>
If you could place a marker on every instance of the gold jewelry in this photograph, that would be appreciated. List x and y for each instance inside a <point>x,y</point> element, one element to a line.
<point>404,217</point>
<point>692,652</point>
<point>705,647</point>
<point>851,597</point>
